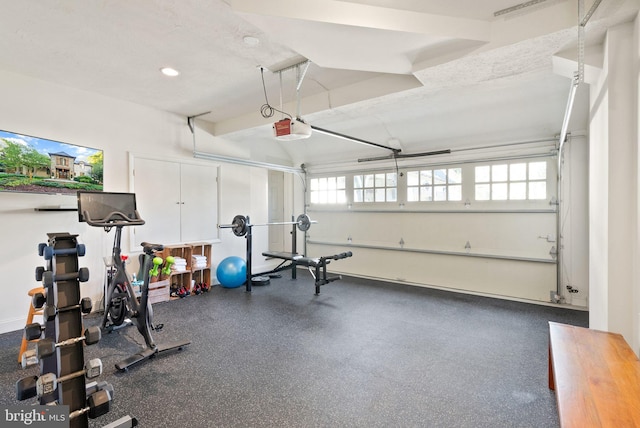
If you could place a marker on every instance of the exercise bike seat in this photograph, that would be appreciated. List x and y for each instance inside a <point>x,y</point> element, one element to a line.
<point>150,248</point>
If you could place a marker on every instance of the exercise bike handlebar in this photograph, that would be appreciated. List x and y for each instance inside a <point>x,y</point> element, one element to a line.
<point>114,218</point>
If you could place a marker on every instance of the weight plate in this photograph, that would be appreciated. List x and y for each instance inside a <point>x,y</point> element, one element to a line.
<point>260,280</point>
<point>118,308</point>
<point>304,222</point>
<point>240,228</point>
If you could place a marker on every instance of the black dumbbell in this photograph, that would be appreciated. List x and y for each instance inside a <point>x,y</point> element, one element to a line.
<point>50,311</point>
<point>38,300</point>
<point>40,270</point>
<point>48,251</point>
<point>48,277</point>
<point>47,346</point>
<point>33,331</point>
<point>26,388</point>
<point>94,386</point>
<point>99,403</point>
<point>48,382</point>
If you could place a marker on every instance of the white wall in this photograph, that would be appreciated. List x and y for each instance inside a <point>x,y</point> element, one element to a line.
<point>613,212</point>
<point>58,113</point>
<point>575,221</point>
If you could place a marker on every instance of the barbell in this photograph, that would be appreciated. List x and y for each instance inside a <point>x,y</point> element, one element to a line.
<point>241,225</point>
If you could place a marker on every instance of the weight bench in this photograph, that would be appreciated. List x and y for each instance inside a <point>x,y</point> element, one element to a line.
<point>596,377</point>
<point>317,266</point>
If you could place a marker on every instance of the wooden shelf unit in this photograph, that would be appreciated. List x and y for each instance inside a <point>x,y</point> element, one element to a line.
<point>180,278</point>
<point>201,274</point>
<point>184,278</point>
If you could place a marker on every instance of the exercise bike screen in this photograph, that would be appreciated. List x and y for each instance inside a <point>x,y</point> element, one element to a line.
<point>100,204</point>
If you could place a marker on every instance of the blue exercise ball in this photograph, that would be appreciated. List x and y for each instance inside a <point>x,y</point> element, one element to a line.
<point>232,272</point>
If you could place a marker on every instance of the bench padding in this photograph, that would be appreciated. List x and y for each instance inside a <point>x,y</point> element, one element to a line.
<point>303,261</point>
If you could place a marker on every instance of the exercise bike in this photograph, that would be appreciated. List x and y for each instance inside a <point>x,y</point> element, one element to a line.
<point>109,210</point>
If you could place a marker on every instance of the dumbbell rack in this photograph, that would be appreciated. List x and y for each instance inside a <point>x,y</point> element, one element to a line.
<point>61,280</point>
<point>63,321</point>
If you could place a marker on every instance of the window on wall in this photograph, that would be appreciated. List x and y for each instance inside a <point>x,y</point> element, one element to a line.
<point>515,181</point>
<point>328,190</point>
<point>379,187</point>
<point>429,185</point>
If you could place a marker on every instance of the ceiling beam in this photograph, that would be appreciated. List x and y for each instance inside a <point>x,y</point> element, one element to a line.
<point>360,15</point>
<point>379,86</point>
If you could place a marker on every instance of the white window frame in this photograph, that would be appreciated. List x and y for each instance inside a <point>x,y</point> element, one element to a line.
<point>328,190</point>
<point>375,187</point>
<point>466,194</point>
<point>510,181</point>
<point>423,185</point>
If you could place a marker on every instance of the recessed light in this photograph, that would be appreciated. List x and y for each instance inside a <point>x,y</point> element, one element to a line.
<point>168,71</point>
<point>251,41</point>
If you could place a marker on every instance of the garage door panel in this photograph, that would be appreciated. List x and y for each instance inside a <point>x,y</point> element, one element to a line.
<point>500,277</point>
<point>521,235</point>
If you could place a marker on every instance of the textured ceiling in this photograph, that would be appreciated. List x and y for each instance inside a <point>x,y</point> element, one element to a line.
<point>427,73</point>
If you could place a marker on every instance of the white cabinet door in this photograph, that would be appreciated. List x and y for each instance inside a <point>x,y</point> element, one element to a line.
<point>199,203</point>
<point>178,201</point>
<point>157,189</point>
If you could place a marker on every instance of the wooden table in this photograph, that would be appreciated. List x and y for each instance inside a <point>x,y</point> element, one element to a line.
<point>596,377</point>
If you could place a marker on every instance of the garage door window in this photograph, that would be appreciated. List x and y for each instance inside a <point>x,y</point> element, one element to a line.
<point>328,190</point>
<point>515,181</point>
<point>434,185</point>
<point>379,187</point>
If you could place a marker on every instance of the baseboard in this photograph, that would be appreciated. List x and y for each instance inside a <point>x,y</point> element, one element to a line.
<point>15,324</point>
<point>473,293</point>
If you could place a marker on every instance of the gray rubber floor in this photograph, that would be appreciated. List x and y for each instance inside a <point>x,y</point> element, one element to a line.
<point>361,354</point>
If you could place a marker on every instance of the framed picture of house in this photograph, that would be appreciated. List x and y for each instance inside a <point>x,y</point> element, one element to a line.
<point>37,165</point>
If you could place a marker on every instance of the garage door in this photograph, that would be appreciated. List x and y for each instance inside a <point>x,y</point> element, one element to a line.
<point>482,226</point>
